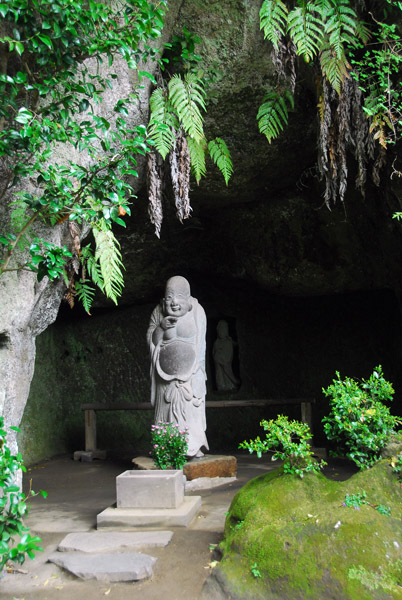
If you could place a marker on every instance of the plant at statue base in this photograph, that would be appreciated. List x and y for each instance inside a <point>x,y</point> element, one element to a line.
<point>13,508</point>
<point>289,441</point>
<point>359,423</point>
<point>169,445</point>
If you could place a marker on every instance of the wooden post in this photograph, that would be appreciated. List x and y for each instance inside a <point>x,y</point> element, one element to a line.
<point>306,414</point>
<point>90,430</point>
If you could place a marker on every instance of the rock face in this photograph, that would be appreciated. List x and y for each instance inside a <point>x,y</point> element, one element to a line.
<point>294,538</point>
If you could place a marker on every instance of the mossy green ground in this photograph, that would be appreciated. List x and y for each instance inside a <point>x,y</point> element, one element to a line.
<point>304,544</point>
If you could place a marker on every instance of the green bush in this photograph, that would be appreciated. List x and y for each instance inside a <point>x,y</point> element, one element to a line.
<point>289,440</point>
<point>359,423</point>
<point>13,509</point>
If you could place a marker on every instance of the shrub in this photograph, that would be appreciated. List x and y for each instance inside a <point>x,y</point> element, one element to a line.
<point>169,446</point>
<point>289,440</point>
<point>359,423</point>
<point>13,508</point>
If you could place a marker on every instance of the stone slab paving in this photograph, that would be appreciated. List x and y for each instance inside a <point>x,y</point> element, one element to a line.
<point>129,518</point>
<point>111,567</point>
<point>208,483</point>
<point>109,541</point>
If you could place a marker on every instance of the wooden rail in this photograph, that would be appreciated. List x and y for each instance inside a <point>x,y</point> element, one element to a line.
<point>90,410</point>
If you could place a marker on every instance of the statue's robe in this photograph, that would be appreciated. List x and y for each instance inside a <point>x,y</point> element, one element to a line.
<point>178,374</point>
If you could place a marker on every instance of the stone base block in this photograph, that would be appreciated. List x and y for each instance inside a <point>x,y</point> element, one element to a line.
<point>130,518</point>
<point>150,489</point>
<point>211,466</point>
<point>89,455</point>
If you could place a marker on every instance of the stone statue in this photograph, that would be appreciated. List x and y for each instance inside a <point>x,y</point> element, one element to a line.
<point>222,353</point>
<point>176,339</point>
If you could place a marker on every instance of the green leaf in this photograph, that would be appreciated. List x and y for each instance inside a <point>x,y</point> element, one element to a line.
<point>109,256</point>
<point>188,98</point>
<point>306,29</point>
<point>273,114</point>
<point>142,74</point>
<point>162,122</point>
<point>273,20</point>
<point>220,154</point>
<point>46,40</point>
<point>197,157</point>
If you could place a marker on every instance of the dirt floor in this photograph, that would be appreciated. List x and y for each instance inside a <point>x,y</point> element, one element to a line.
<point>77,492</point>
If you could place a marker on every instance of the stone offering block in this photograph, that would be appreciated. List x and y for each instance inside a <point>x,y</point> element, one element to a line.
<point>211,466</point>
<point>150,489</point>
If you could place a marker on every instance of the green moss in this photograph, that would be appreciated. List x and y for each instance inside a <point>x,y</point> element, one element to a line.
<point>306,543</point>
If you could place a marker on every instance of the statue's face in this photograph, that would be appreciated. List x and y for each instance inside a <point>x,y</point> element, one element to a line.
<point>176,301</point>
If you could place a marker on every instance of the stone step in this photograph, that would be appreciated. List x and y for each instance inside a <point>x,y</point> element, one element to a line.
<point>113,541</point>
<point>112,567</point>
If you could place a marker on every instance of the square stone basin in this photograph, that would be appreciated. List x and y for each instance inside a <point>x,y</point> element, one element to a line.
<point>150,489</point>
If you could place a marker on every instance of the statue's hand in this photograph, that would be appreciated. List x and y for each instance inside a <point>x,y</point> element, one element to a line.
<point>168,322</point>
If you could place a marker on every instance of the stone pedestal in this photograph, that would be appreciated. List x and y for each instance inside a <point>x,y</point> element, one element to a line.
<point>150,498</point>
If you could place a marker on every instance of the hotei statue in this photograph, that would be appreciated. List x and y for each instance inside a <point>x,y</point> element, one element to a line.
<point>176,339</point>
<point>222,353</point>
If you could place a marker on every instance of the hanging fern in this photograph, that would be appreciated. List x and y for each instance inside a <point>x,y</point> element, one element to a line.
<point>305,27</point>
<point>273,114</point>
<point>85,293</point>
<point>162,122</point>
<point>188,98</point>
<point>335,68</point>
<point>220,154</point>
<point>90,263</point>
<point>340,26</point>
<point>273,20</point>
<point>109,257</point>
<point>197,157</point>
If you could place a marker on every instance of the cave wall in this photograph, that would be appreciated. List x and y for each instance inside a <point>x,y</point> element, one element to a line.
<point>307,291</point>
<point>286,347</point>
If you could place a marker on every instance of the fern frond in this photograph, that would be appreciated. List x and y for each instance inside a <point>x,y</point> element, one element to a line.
<point>362,31</point>
<point>273,114</point>
<point>219,152</point>
<point>197,157</point>
<point>109,257</point>
<point>306,29</point>
<point>92,266</point>
<point>340,26</point>
<point>162,122</point>
<point>85,293</point>
<point>273,20</point>
<point>188,98</point>
<point>335,68</point>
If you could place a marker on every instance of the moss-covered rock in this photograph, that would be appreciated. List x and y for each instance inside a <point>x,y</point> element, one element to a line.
<point>293,538</point>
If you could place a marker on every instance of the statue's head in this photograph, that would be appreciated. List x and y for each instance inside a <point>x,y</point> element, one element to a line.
<point>222,330</point>
<point>177,300</point>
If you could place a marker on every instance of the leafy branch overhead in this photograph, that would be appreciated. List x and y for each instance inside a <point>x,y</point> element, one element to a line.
<point>359,66</point>
<point>49,94</point>
<point>49,97</point>
<point>176,128</point>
